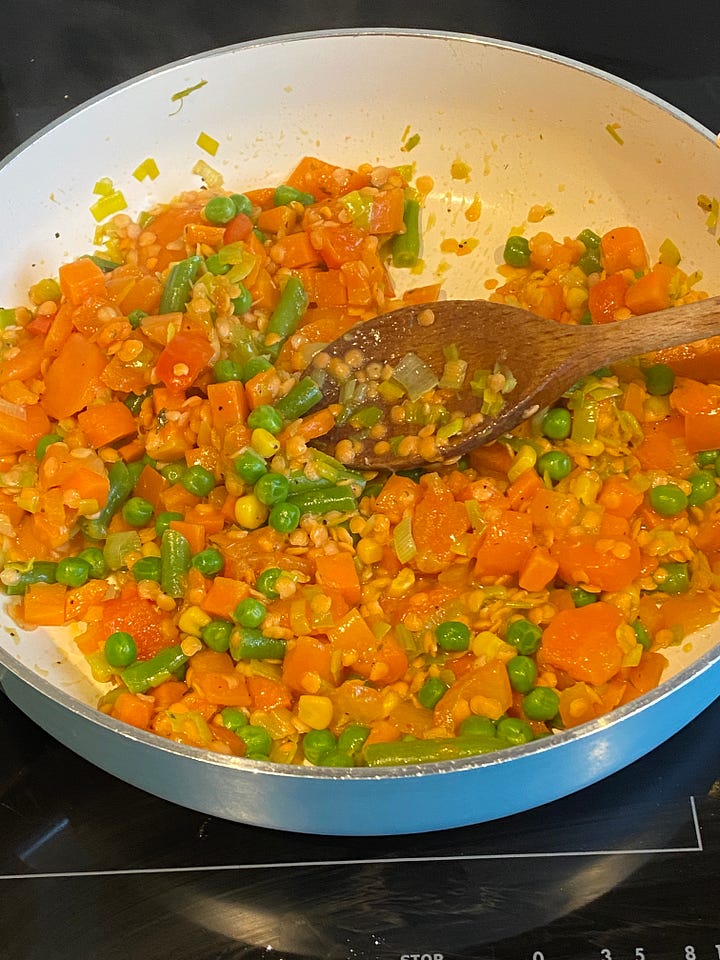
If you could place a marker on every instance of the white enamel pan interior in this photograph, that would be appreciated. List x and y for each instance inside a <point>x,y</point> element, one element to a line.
<point>530,128</point>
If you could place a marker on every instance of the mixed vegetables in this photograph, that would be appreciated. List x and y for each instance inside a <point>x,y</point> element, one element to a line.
<point>237,589</point>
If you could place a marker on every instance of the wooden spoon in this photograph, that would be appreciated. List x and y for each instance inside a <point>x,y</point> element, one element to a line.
<point>544,357</point>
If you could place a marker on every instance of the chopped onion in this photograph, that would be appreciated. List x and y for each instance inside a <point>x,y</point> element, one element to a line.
<point>403,540</point>
<point>415,376</point>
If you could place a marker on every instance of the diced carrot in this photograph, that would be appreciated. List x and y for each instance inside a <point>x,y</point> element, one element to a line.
<point>294,250</point>
<point>80,280</point>
<point>194,533</point>
<point>60,329</point>
<point>88,484</point>
<point>439,523</point>
<point>23,431</point>
<point>167,693</point>
<point>325,180</point>
<point>263,388</point>
<point>133,708</point>
<point>538,570</point>
<point>79,600</point>
<point>651,291</point>
<point>213,676</point>
<point>583,642</point>
<point>358,283</point>
<point>167,228</point>
<point>70,378</point>
<point>44,604</point>
<point>383,731</point>
<point>278,220</point>
<point>310,427</point>
<point>25,364</point>
<point>700,361</point>
<point>493,458</point>
<point>663,445</point>
<point>606,297</point>
<point>263,197</point>
<point>150,485</point>
<point>386,213</point>
<point>228,403</point>
<point>207,516</point>
<point>266,693</point>
<point>182,359</point>
<point>204,233</point>
<point>648,673</point>
<point>337,571</point>
<point>523,488</point>
<point>239,228</point>
<point>381,660</point>
<point>307,664</point>
<point>505,545</point>
<point>330,288</point>
<point>397,495</point>
<point>426,294</point>
<point>487,686</point>
<point>341,243</point>
<point>152,629</point>
<point>623,249</point>
<point>554,509</point>
<point>224,595</point>
<point>608,564</point>
<point>620,496</point>
<point>633,400</point>
<point>103,423</point>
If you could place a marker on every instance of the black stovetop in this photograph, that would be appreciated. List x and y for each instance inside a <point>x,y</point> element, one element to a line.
<point>91,868</point>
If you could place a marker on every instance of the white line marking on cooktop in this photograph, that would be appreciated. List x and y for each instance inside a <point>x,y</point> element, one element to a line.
<point>364,861</point>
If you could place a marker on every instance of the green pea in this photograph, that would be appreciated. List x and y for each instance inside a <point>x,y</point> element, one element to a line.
<point>250,612</point>
<point>557,423</point>
<point>582,597</point>
<point>675,578</point>
<point>225,370</point>
<point>431,692</point>
<point>317,744</point>
<point>667,499</point>
<point>707,458</point>
<point>352,738</point>
<point>216,635</point>
<point>514,730</point>
<point>250,466</point>
<point>147,568</point>
<point>242,203</point>
<point>242,302</point>
<point>642,635</point>
<point>476,726</point>
<point>524,635</point>
<point>209,562</point>
<point>137,511</point>
<point>136,317</point>
<point>96,559</point>
<point>285,194</point>
<point>72,571</point>
<point>174,472</point>
<point>555,463</point>
<point>257,740</point>
<point>164,519</point>
<point>272,488</point>
<point>120,649</point>
<point>233,718</point>
<point>44,442</point>
<point>542,703</point>
<point>284,517</point>
<point>220,210</point>
<point>266,582</point>
<point>659,379</point>
<point>522,673</point>
<point>198,480</point>
<point>590,262</point>
<point>586,319</point>
<point>265,417</point>
<point>517,252</point>
<point>703,487</point>
<point>453,635</point>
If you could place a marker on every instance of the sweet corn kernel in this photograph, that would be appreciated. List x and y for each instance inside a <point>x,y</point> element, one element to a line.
<point>369,550</point>
<point>315,711</point>
<point>250,513</point>
<point>192,620</point>
<point>264,443</point>
<point>402,583</point>
<point>525,460</point>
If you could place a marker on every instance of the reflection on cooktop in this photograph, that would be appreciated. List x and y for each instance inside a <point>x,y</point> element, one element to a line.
<point>113,871</point>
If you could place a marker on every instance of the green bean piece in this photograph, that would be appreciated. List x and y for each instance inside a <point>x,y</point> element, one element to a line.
<point>178,285</point>
<point>175,558</point>
<point>242,302</point>
<point>429,751</point>
<point>324,500</point>
<point>44,442</point>
<point>248,643</point>
<point>642,635</point>
<point>121,485</point>
<point>144,674</point>
<point>253,366</point>
<point>406,246</point>
<point>225,370</point>
<point>287,314</point>
<point>19,576</point>
<point>582,597</point>
<point>164,519</point>
<point>299,400</point>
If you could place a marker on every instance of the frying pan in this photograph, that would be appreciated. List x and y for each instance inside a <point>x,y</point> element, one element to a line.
<point>528,128</point>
